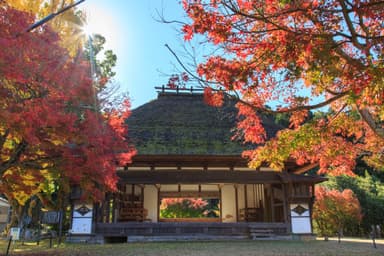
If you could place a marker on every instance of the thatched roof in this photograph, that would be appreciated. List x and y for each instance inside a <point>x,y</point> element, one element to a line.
<point>183,124</point>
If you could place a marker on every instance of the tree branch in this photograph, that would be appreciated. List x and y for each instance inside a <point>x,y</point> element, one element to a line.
<point>364,113</point>
<point>3,138</point>
<point>266,110</point>
<point>14,157</point>
<point>350,26</point>
<point>186,69</point>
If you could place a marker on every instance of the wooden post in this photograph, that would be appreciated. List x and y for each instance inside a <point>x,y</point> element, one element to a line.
<point>273,204</point>
<point>158,203</point>
<point>114,207</point>
<point>285,205</point>
<point>236,203</point>
<point>71,213</point>
<point>142,195</point>
<point>373,236</point>
<point>107,208</point>
<point>221,203</point>
<point>94,216</point>
<point>311,202</point>
<point>50,240</point>
<point>61,217</point>
<point>133,194</point>
<point>245,197</point>
<point>254,195</point>
<point>9,246</point>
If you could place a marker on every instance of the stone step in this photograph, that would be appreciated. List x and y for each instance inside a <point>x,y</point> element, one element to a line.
<point>259,233</point>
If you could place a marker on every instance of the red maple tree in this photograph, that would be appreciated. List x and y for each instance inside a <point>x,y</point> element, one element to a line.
<point>52,130</point>
<point>333,210</point>
<point>304,55</point>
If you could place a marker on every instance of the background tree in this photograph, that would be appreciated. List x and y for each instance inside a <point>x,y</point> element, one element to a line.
<point>369,190</point>
<point>103,67</point>
<point>334,210</point>
<point>297,56</point>
<point>52,132</point>
<point>68,25</point>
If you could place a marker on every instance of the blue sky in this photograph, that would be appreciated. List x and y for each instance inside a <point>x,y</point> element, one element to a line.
<point>132,32</point>
<point>137,38</point>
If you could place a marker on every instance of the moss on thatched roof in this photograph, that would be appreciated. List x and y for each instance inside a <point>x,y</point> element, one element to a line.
<point>183,124</point>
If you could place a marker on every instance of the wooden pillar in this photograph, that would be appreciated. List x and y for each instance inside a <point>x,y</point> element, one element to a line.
<point>254,195</point>
<point>272,204</point>
<point>100,211</point>
<point>72,206</point>
<point>133,195</point>
<point>288,201</point>
<point>96,212</point>
<point>245,197</point>
<point>261,199</point>
<point>158,202</point>
<point>236,202</point>
<point>311,202</point>
<point>114,207</point>
<point>221,203</point>
<point>286,207</point>
<point>107,208</point>
<point>94,218</point>
<point>142,195</point>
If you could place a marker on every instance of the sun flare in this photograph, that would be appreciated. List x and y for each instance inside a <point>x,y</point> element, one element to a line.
<point>100,21</point>
<point>88,30</point>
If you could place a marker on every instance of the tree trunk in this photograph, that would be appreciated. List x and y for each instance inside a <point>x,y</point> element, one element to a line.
<point>15,216</point>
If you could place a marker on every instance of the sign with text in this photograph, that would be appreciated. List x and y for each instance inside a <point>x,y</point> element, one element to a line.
<point>82,219</point>
<point>15,233</point>
<point>300,219</point>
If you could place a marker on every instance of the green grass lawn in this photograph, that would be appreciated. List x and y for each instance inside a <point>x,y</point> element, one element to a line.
<point>227,248</point>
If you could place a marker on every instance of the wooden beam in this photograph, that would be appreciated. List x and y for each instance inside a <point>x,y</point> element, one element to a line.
<point>204,194</point>
<point>188,161</point>
<point>217,176</point>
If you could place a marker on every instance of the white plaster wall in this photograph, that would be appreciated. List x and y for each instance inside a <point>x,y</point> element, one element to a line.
<point>138,190</point>
<point>209,187</point>
<point>250,196</point>
<point>3,214</point>
<point>128,188</point>
<point>189,188</point>
<point>4,203</point>
<point>228,203</point>
<point>169,188</point>
<point>150,202</point>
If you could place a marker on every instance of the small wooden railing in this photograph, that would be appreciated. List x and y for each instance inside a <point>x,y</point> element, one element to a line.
<point>133,214</point>
<point>189,220</point>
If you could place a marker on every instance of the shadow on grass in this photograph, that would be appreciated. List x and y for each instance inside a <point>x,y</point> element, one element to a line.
<point>350,247</point>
